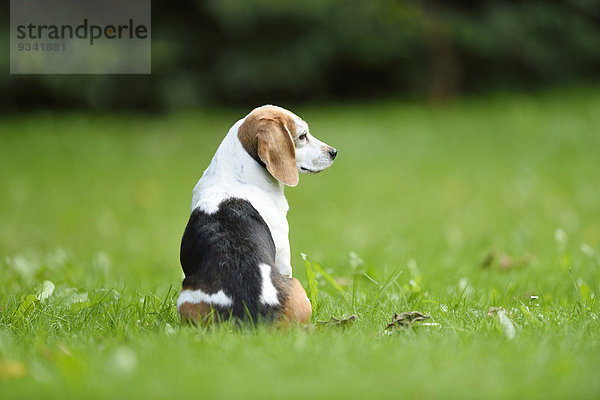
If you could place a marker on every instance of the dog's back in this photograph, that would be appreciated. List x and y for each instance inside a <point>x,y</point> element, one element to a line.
<point>228,259</point>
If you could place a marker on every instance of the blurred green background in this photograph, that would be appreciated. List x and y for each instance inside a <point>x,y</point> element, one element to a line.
<point>207,52</point>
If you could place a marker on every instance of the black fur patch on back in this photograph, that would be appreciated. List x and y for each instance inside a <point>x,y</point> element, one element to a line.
<point>223,251</point>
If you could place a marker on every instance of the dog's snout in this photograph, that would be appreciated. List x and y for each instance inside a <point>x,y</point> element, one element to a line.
<point>332,153</point>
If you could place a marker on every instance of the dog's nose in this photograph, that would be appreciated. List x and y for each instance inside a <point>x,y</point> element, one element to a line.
<point>333,153</point>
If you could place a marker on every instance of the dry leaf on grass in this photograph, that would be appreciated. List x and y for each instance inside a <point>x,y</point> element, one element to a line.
<point>406,319</point>
<point>504,261</point>
<point>488,260</point>
<point>344,322</point>
<point>508,262</point>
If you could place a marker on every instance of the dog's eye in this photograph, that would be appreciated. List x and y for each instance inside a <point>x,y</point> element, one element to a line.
<point>302,137</point>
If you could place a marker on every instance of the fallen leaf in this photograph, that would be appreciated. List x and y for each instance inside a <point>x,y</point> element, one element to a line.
<point>508,262</point>
<point>488,260</point>
<point>406,319</point>
<point>344,322</point>
<point>504,261</point>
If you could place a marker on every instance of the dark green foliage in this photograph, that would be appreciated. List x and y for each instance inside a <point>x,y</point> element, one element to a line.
<point>259,51</point>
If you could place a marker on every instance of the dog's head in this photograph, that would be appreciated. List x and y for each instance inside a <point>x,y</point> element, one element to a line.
<point>280,140</point>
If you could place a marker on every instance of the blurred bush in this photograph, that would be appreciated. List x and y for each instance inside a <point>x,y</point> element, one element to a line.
<point>258,51</point>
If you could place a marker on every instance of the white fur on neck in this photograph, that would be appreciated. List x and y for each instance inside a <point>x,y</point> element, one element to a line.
<point>234,173</point>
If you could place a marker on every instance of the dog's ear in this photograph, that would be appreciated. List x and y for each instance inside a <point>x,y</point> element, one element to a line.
<point>269,138</point>
<point>276,149</point>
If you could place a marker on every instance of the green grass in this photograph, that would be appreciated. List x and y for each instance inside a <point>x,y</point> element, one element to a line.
<point>418,197</point>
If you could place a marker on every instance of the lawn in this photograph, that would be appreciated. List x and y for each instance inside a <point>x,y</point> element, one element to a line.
<point>448,210</point>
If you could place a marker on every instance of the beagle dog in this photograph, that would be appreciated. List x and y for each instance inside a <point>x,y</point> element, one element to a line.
<point>235,250</point>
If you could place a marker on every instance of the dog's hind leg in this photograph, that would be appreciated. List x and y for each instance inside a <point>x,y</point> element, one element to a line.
<point>297,307</point>
<point>194,313</point>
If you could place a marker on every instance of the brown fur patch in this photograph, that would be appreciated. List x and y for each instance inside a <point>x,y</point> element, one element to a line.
<point>267,134</point>
<point>297,307</point>
<point>190,312</point>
